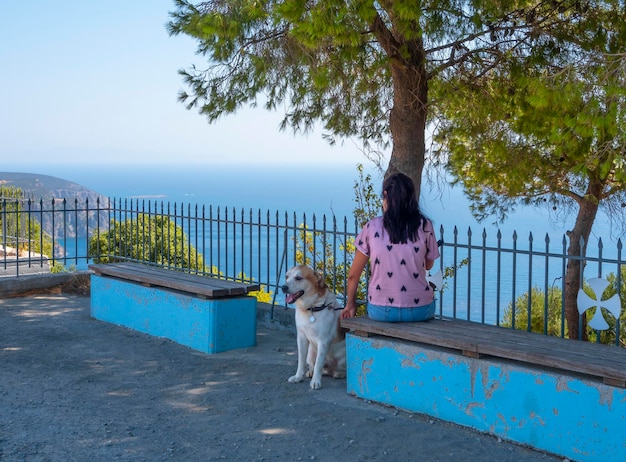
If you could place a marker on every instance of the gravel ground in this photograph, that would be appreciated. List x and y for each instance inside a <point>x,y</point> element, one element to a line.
<point>76,389</point>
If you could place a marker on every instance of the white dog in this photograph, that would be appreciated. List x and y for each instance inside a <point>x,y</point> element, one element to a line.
<point>321,345</point>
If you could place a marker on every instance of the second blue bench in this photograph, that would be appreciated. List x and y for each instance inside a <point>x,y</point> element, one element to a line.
<point>206,314</point>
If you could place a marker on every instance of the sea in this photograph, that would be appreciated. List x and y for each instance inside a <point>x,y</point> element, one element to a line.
<point>308,189</point>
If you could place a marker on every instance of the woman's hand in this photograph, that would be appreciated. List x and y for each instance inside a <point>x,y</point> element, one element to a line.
<point>348,312</point>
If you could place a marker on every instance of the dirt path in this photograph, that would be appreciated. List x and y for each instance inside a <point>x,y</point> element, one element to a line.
<point>76,389</point>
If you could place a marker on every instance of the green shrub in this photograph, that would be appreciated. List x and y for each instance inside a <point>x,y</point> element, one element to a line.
<point>549,321</point>
<point>542,320</point>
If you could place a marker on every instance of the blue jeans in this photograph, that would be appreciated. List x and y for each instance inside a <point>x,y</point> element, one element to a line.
<point>395,314</point>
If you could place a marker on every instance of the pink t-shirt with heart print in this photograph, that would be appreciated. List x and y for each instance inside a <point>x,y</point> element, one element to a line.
<point>398,271</point>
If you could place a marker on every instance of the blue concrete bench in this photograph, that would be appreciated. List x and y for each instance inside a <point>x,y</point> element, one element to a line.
<point>562,396</point>
<point>207,314</point>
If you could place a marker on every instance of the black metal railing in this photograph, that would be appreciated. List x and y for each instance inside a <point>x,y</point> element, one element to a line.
<point>491,281</point>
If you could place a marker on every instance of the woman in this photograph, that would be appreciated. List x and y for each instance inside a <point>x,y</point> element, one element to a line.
<point>401,247</point>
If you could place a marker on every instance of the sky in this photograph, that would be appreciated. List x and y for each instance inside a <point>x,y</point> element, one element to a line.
<point>96,81</point>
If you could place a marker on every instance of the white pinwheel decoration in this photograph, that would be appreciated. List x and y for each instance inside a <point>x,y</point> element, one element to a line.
<point>584,301</point>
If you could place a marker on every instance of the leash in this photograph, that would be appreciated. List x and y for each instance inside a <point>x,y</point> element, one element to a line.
<point>315,309</point>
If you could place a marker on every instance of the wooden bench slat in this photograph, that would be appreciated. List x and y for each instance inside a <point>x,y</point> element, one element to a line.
<point>473,339</point>
<point>537,344</point>
<point>187,280</point>
<point>180,281</point>
<point>530,347</point>
<point>172,279</point>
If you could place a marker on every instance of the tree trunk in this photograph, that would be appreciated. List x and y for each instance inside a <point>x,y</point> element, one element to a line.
<point>588,208</point>
<point>407,121</point>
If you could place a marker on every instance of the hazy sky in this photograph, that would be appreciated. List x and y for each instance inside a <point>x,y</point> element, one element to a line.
<point>97,81</point>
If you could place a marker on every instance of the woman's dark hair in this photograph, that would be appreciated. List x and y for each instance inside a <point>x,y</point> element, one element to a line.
<point>403,217</point>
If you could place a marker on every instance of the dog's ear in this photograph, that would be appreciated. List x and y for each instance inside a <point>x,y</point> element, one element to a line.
<point>321,283</point>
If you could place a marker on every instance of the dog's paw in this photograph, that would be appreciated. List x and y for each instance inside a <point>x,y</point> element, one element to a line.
<point>309,373</point>
<point>295,378</point>
<point>316,384</point>
<point>339,374</point>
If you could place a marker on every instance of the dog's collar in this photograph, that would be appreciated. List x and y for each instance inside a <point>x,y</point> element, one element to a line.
<point>315,309</point>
